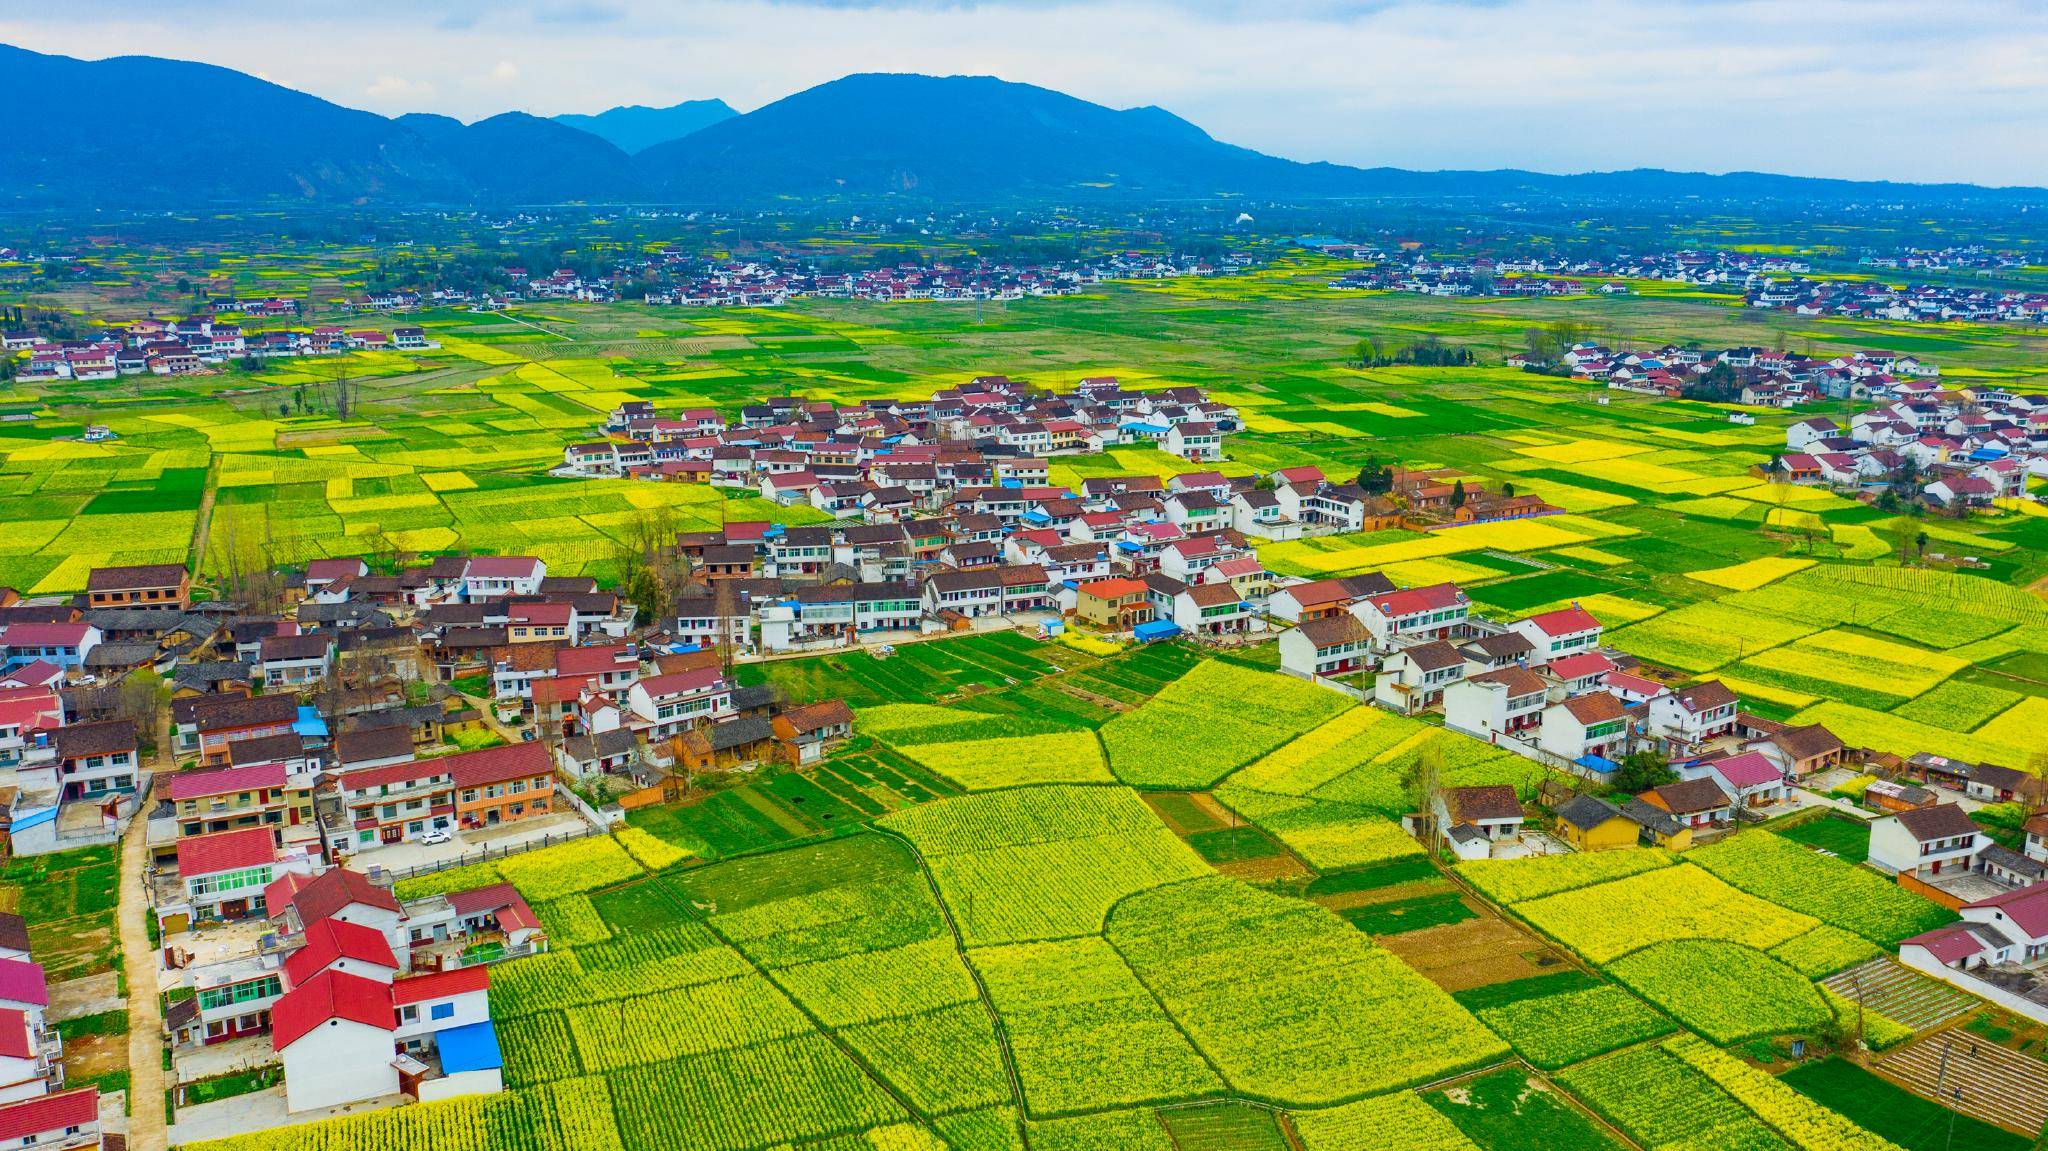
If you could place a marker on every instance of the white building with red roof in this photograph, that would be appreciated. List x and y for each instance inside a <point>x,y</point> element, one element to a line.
<point>333,1034</point>
<point>1437,611</point>
<point>1749,779</point>
<point>666,705</point>
<point>66,1121</point>
<point>224,875</point>
<point>493,577</point>
<point>1556,634</point>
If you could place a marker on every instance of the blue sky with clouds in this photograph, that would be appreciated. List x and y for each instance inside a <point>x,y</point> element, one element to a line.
<point>1892,89</point>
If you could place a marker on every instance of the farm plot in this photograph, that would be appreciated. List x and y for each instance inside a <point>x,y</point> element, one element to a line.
<point>1053,757</point>
<point>1724,991</point>
<point>1211,721</point>
<point>1554,1031</point>
<point>1085,1033</point>
<point>1661,1102</point>
<point>1261,984</point>
<point>1836,893</point>
<point>1397,1122</point>
<point>1509,881</point>
<point>1609,920</point>
<point>1043,862</point>
<point>1358,759</point>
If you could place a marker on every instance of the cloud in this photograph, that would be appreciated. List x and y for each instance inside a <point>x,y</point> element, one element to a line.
<point>1896,89</point>
<point>399,91</point>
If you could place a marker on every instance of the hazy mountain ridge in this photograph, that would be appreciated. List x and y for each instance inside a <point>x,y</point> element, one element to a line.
<point>139,131</point>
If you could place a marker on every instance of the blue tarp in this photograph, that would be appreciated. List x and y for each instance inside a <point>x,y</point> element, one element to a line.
<point>1157,629</point>
<point>470,1047</point>
<point>309,723</point>
<point>1596,763</point>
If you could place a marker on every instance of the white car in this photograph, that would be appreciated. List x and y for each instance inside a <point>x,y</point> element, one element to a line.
<point>435,837</point>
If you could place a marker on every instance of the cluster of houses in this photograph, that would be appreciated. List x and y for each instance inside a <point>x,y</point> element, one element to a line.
<point>35,1108</point>
<point>1926,303</point>
<point>755,283</point>
<point>1544,687</point>
<point>1433,274</point>
<point>357,995</point>
<point>1965,448</point>
<point>888,459</point>
<point>188,346</point>
<point>1765,378</point>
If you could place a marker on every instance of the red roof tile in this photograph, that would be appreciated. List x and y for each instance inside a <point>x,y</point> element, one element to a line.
<point>226,780</point>
<point>1565,621</point>
<point>329,995</point>
<point>332,939</point>
<point>440,984</point>
<point>47,1113</point>
<point>498,764</point>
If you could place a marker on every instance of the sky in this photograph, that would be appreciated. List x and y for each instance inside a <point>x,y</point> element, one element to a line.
<point>1919,90</point>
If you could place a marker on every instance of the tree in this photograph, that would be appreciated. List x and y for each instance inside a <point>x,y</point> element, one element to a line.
<point>144,694</point>
<point>1365,351</point>
<point>1424,781</point>
<point>1375,478</point>
<point>1641,771</point>
<point>1458,494</point>
<point>1507,491</point>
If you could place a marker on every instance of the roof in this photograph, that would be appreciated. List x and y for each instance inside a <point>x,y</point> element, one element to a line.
<point>1587,812</point>
<point>501,567</point>
<point>265,749</point>
<point>233,711</point>
<point>13,932</point>
<point>1519,681</point>
<point>816,716</point>
<point>330,995</point>
<point>682,682</point>
<point>470,1047</point>
<point>1942,821</point>
<point>114,735</point>
<point>1492,801</point>
<point>498,764</point>
<point>440,984</point>
<point>15,1040</point>
<point>1580,665</point>
<point>1331,630</point>
<point>327,893</point>
<point>43,1113</point>
<point>1704,696</point>
<point>333,939</point>
<point>500,899</point>
<point>1951,944</point>
<point>1596,707</point>
<point>226,851</point>
<point>1653,819</point>
<point>1691,796</point>
<point>1565,621</point>
<point>1433,656</point>
<point>23,981</point>
<point>226,780</point>
<point>1750,769</point>
<point>368,745</point>
<point>1435,597</point>
<point>135,578</point>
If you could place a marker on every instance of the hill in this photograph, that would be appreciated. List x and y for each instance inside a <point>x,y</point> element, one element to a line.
<point>138,129</point>
<point>636,127</point>
<point>517,157</point>
<point>964,138</point>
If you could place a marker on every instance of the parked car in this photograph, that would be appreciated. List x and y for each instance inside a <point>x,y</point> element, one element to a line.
<point>435,837</point>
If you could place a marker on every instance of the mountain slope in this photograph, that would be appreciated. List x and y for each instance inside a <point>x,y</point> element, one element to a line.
<point>137,129</point>
<point>514,157</point>
<point>963,137</point>
<point>636,127</point>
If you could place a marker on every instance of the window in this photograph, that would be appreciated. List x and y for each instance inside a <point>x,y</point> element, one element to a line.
<point>409,1014</point>
<point>442,1011</point>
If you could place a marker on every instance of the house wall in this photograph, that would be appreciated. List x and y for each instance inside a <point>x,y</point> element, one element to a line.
<point>340,1061</point>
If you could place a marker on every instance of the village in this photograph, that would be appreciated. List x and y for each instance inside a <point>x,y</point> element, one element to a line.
<point>282,772</point>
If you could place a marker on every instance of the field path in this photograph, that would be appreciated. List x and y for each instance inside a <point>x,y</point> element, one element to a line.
<point>202,524</point>
<point>146,1129</point>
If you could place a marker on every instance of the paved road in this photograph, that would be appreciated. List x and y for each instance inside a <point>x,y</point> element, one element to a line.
<point>145,1018</point>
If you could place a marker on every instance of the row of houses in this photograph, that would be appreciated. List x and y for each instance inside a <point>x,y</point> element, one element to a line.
<point>1763,377</point>
<point>1965,448</point>
<point>1921,303</point>
<point>184,347</point>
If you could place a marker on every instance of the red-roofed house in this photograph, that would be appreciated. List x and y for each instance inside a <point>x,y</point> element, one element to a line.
<point>398,803</point>
<point>26,1056</point>
<point>1749,779</point>
<point>663,706</point>
<point>66,1121</point>
<point>493,577</point>
<point>224,875</point>
<point>1437,611</point>
<point>502,784</point>
<point>1576,674</point>
<point>334,1034</point>
<point>438,1001</point>
<point>1556,634</point>
<point>2020,915</point>
<point>349,948</point>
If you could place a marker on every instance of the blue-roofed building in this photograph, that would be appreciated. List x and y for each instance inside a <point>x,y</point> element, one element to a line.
<point>310,727</point>
<point>471,1063</point>
<point>1156,630</point>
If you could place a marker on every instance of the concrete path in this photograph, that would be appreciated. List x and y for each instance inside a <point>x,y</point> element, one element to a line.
<point>145,1017</point>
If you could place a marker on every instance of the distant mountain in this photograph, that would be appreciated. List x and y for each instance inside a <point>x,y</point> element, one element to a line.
<point>636,127</point>
<point>136,131</point>
<point>515,157</point>
<point>140,130</point>
<point>964,138</point>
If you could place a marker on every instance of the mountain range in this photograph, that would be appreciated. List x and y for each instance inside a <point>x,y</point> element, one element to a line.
<point>139,131</point>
